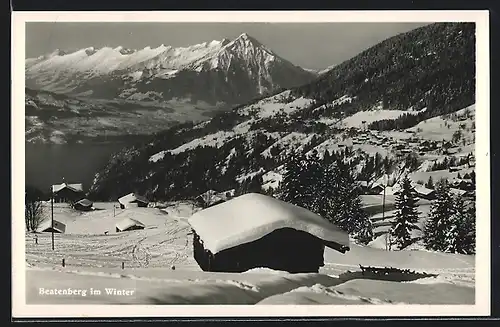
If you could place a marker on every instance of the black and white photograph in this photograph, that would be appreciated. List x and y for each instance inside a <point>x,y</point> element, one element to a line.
<point>231,161</point>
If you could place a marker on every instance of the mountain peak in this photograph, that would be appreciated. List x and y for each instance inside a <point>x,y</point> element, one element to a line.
<point>246,41</point>
<point>247,38</point>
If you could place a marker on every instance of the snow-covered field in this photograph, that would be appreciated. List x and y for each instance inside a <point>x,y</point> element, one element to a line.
<point>159,268</point>
<point>364,118</point>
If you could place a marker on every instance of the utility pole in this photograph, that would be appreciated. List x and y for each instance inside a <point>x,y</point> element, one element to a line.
<point>383,218</point>
<point>383,212</point>
<point>52,213</point>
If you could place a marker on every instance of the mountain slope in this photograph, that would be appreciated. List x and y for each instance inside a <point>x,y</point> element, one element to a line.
<point>430,67</point>
<point>256,139</point>
<point>230,72</point>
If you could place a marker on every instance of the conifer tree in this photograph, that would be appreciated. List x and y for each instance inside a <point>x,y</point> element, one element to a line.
<point>430,183</point>
<point>406,215</point>
<point>468,232</point>
<point>255,184</point>
<point>298,181</point>
<point>460,238</point>
<point>341,203</point>
<point>440,219</point>
<point>329,190</point>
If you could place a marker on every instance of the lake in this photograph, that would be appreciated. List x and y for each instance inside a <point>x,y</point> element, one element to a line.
<point>47,164</point>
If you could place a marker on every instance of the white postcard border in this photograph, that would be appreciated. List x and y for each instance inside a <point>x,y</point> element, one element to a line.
<point>482,306</point>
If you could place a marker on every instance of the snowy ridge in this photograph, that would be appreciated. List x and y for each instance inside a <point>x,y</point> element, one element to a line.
<point>266,108</point>
<point>238,62</point>
<point>106,59</point>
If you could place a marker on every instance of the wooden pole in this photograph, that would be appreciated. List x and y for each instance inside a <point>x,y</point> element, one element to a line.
<point>52,214</point>
<point>383,218</point>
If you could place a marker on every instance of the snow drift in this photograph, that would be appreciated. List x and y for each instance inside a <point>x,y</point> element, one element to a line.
<point>93,260</point>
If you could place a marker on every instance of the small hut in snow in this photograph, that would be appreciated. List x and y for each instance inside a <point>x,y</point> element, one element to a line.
<point>133,200</point>
<point>255,230</point>
<point>211,197</point>
<point>129,224</point>
<point>46,226</point>
<point>83,205</point>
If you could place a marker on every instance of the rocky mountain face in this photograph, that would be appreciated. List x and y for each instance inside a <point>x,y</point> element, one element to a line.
<point>230,72</point>
<point>379,111</point>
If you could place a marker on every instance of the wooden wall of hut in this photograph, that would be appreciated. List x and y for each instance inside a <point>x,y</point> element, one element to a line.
<point>283,249</point>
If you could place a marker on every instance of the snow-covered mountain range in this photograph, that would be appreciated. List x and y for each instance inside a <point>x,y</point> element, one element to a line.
<point>381,102</point>
<point>224,71</point>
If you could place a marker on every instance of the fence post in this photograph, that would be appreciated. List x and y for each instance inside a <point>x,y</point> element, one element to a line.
<point>123,265</point>
<point>63,263</point>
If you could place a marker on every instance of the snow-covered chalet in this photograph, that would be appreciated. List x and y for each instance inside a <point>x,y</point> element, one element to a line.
<point>255,230</point>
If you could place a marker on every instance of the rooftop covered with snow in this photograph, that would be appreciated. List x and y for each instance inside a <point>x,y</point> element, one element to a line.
<point>127,223</point>
<point>47,225</point>
<point>132,197</point>
<point>251,216</point>
<point>73,187</point>
<point>85,202</point>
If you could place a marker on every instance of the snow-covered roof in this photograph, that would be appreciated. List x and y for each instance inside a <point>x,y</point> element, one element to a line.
<point>85,202</point>
<point>457,191</point>
<point>47,224</point>
<point>73,187</point>
<point>375,185</point>
<point>464,180</point>
<point>249,217</point>
<point>422,189</point>
<point>127,223</point>
<point>132,197</point>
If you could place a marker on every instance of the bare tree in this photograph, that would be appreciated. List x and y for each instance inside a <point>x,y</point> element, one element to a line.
<point>33,209</point>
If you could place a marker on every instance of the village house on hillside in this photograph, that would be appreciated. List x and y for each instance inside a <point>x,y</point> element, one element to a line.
<point>464,184</point>
<point>421,191</point>
<point>67,192</point>
<point>424,192</point>
<point>133,200</point>
<point>211,197</point>
<point>83,205</point>
<point>375,188</point>
<point>255,230</point>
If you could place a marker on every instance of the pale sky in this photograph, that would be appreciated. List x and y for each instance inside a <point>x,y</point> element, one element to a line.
<point>309,45</point>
